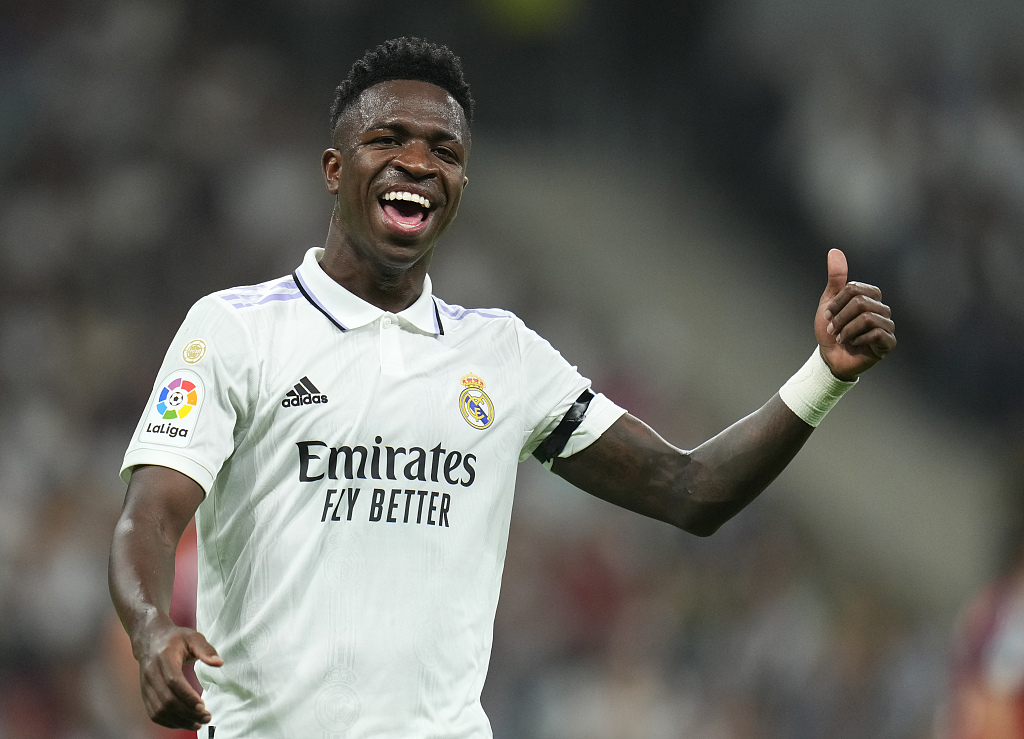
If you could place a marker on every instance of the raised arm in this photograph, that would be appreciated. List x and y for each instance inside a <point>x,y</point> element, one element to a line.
<point>158,506</point>
<point>633,467</point>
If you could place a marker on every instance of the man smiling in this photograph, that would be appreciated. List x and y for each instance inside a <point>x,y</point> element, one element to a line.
<point>398,169</point>
<point>348,443</point>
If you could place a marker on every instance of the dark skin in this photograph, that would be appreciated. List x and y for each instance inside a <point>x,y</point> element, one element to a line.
<point>158,506</point>
<point>412,137</point>
<point>400,135</point>
<point>699,490</point>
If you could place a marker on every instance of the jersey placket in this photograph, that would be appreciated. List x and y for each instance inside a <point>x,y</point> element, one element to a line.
<point>390,342</point>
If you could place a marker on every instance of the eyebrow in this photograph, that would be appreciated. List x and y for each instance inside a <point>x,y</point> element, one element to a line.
<point>442,134</point>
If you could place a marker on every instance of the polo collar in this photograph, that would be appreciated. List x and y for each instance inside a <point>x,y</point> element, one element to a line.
<point>347,311</point>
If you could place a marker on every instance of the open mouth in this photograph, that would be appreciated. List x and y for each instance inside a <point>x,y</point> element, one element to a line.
<point>406,212</point>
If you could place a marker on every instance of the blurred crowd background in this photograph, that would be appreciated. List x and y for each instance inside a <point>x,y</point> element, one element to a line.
<point>152,151</point>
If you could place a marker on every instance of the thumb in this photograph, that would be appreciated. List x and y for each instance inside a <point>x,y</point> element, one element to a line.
<point>203,650</point>
<point>837,273</point>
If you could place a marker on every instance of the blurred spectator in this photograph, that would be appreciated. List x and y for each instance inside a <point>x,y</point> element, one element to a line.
<point>907,152</point>
<point>987,700</point>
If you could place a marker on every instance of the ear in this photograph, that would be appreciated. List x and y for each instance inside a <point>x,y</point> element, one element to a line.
<point>331,164</point>
<point>465,182</point>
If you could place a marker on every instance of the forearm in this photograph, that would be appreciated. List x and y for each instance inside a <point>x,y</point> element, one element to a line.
<point>728,471</point>
<point>141,574</point>
<point>158,506</point>
<point>632,467</point>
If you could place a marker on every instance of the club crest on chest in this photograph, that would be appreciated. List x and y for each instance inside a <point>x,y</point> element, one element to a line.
<point>476,406</point>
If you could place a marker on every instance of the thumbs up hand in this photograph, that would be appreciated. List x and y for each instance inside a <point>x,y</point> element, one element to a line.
<point>853,326</point>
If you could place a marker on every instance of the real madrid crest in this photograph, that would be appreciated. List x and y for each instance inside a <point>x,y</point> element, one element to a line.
<point>476,407</point>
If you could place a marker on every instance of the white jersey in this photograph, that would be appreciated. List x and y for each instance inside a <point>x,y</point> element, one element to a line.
<point>359,467</point>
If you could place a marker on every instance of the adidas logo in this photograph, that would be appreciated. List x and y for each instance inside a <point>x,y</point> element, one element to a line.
<point>304,393</point>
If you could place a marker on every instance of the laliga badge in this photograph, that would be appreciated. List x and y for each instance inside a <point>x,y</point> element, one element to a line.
<point>173,414</point>
<point>476,407</point>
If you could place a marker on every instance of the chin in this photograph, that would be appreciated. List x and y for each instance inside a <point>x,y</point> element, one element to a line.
<point>404,254</point>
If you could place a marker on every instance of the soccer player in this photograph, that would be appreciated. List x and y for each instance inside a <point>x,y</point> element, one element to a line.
<point>348,442</point>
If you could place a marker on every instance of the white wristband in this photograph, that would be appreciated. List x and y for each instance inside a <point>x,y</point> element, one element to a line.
<point>813,390</point>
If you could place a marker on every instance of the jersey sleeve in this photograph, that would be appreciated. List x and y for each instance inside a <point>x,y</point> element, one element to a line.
<point>203,398</point>
<point>550,386</point>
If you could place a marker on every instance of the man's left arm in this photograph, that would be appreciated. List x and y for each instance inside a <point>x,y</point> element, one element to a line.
<point>631,466</point>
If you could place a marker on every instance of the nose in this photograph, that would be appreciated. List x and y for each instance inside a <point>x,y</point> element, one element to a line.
<point>415,159</point>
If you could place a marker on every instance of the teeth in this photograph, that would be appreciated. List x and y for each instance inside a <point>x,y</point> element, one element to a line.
<point>411,197</point>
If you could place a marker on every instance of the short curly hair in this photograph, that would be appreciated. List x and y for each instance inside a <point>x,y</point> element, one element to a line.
<point>405,58</point>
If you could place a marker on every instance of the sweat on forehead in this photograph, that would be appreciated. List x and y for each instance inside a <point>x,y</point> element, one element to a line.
<point>404,99</point>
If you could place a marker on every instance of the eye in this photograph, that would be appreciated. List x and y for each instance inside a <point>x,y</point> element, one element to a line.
<point>447,154</point>
<point>385,140</point>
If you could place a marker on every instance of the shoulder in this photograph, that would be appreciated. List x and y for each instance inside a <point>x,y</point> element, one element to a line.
<point>239,311</point>
<point>240,304</point>
<point>473,322</point>
<point>457,313</point>
<point>245,297</point>
<point>456,318</point>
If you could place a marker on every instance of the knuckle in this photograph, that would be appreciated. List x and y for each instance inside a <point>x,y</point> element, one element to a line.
<point>865,287</point>
<point>872,335</point>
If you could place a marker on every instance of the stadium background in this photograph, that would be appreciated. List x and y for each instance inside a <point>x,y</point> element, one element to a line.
<point>655,186</point>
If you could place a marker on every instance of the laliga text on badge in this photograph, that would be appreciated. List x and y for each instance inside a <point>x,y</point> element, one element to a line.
<point>174,411</point>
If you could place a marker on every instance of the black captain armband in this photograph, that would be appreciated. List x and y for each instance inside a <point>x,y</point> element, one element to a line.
<point>552,446</point>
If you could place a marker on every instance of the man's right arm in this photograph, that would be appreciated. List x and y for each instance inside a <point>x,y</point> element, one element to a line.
<point>633,467</point>
<point>158,506</point>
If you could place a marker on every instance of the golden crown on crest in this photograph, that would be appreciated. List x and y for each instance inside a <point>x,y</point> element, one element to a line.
<point>472,380</point>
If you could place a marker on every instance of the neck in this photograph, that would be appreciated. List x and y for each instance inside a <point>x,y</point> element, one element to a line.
<point>389,287</point>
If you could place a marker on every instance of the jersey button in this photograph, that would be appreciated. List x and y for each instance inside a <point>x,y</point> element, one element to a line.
<point>387,322</point>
